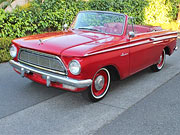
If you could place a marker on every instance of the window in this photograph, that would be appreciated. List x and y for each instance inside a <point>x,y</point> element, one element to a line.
<point>104,22</point>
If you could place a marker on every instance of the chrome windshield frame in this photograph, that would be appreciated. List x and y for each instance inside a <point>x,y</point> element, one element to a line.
<point>105,12</point>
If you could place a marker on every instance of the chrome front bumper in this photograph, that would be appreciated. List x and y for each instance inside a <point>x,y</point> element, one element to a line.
<point>50,77</point>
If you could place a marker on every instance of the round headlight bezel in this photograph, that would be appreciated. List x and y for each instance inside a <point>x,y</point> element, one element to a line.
<point>79,66</point>
<point>13,51</point>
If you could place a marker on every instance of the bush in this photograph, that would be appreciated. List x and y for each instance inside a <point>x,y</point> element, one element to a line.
<point>40,17</point>
<point>5,44</point>
<point>161,11</point>
<point>134,8</point>
<point>1,1</point>
<point>37,17</point>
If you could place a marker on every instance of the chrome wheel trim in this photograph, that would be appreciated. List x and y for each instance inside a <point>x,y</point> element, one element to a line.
<point>160,60</point>
<point>108,84</point>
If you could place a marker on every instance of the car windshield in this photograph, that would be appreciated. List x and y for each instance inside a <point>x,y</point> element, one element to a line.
<point>104,22</point>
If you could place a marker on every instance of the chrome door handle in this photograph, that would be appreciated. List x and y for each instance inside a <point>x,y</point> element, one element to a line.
<point>152,39</point>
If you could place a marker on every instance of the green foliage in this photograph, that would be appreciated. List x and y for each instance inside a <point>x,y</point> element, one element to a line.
<point>103,5</point>
<point>161,11</point>
<point>39,17</point>
<point>2,1</point>
<point>173,6</point>
<point>5,44</point>
<point>50,15</point>
<point>132,8</point>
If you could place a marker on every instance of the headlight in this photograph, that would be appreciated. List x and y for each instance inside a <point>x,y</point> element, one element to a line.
<point>13,51</point>
<point>75,67</point>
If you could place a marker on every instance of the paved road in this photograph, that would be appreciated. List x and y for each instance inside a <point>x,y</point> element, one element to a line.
<point>157,114</point>
<point>18,93</point>
<point>30,108</point>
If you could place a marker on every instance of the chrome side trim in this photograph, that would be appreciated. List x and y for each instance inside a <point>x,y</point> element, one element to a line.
<point>132,45</point>
<point>50,77</point>
<point>173,32</point>
<point>163,38</point>
<point>157,42</point>
<point>118,48</point>
<point>149,32</point>
<point>164,34</point>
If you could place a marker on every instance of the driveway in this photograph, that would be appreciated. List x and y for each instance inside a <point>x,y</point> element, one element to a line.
<point>30,108</point>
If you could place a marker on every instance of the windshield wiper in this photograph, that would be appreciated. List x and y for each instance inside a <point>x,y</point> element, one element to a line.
<point>86,28</point>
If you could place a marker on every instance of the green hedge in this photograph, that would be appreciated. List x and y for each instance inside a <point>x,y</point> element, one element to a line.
<point>39,17</point>
<point>134,8</point>
<point>49,16</point>
<point>161,11</point>
<point>5,44</point>
<point>2,1</point>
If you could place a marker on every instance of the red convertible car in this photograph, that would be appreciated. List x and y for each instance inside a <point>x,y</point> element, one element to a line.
<point>99,47</point>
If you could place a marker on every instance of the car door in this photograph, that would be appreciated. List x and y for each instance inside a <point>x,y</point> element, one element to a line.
<point>141,50</point>
<point>141,55</point>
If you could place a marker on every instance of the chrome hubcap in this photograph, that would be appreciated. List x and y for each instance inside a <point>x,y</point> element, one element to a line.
<point>99,82</point>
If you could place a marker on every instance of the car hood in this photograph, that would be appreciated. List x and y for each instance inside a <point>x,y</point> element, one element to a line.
<point>57,42</point>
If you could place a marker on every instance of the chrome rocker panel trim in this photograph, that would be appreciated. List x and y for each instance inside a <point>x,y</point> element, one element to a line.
<point>50,77</point>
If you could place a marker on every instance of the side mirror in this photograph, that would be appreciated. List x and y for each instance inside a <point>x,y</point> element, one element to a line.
<point>131,34</point>
<point>65,26</point>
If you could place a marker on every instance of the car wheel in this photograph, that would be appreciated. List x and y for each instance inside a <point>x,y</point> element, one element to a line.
<point>157,67</point>
<point>100,86</point>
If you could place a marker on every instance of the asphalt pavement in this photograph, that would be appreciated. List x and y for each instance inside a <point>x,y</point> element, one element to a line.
<point>139,104</point>
<point>157,114</point>
<point>18,93</point>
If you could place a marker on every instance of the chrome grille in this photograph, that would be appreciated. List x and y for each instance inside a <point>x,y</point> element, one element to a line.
<point>42,60</point>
